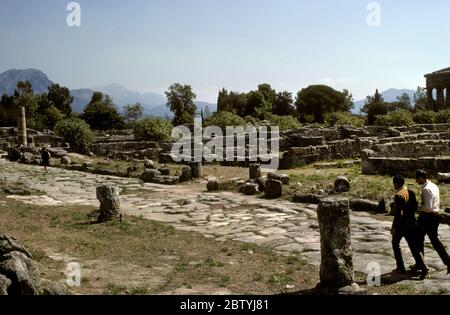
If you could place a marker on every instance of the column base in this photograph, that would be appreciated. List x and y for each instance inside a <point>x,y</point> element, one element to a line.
<point>352,289</point>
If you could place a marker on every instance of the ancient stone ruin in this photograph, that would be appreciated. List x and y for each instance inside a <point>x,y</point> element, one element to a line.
<point>336,267</point>
<point>108,195</point>
<point>19,274</point>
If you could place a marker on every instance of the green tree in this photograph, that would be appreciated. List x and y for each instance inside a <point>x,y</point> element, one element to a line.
<point>374,107</point>
<point>152,129</point>
<point>47,118</point>
<point>317,100</point>
<point>8,111</point>
<point>395,119</point>
<point>405,100</point>
<point>180,100</point>
<point>132,113</point>
<point>345,119</point>
<point>260,102</point>
<point>25,97</point>
<point>283,104</point>
<point>285,122</point>
<point>207,112</point>
<point>59,97</point>
<point>76,132</point>
<point>222,100</point>
<point>349,103</point>
<point>223,119</point>
<point>238,103</point>
<point>420,99</point>
<point>424,117</point>
<point>101,114</point>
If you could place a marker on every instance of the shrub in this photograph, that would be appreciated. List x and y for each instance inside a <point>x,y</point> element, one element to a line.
<point>152,129</point>
<point>223,119</point>
<point>101,113</point>
<point>443,116</point>
<point>76,132</point>
<point>424,117</point>
<point>395,119</point>
<point>344,118</point>
<point>46,120</point>
<point>284,122</point>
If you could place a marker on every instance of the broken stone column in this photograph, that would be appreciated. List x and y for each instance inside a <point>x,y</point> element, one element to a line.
<point>196,169</point>
<point>254,171</point>
<point>273,189</point>
<point>186,174</point>
<point>108,196</point>
<point>22,126</point>
<point>336,267</point>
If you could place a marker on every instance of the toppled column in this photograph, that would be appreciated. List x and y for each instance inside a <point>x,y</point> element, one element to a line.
<point>108,196</point>
<point>336,267</point>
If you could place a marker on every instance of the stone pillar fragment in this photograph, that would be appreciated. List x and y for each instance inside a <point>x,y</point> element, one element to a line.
<point>430,105</point>
<point>196,169</point>
<point>254,171</point>
<point>108,196</point>
<point>440,99</point>
<point>336,267</point>
<point>447,97</point>
<point>22,126</point>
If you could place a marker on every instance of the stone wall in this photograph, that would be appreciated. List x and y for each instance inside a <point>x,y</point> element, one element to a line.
<point>413,149</point>
<point>404,166</point>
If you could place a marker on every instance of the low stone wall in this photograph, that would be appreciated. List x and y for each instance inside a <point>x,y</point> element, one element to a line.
<point>52,140</point>
<point>404,166</point>
<point>106,148</point>
<point>334,150</point>
<point>152,154</point>
<point>413,149</point>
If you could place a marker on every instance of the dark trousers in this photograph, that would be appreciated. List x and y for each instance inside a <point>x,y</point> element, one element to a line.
<point>412,240</point>
<point>428,224</point>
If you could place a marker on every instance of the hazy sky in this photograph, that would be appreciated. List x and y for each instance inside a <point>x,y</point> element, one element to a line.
<point>237,44</point>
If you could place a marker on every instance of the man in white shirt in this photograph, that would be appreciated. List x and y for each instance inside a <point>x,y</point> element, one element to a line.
<point>428,221</point>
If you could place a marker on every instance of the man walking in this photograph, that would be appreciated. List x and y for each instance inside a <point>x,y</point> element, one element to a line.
<point>428,221</point>
<point>404,226</point>
<point>45,156</point>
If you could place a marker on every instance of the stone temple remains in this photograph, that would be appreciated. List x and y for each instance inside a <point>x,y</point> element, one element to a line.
<point>439,81</point>
<point>380,150</point>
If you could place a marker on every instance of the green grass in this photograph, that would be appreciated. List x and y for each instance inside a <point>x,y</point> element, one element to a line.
<point>224,281</point>
<point>113,289</point>
<point>213,263</point>
<point>280,279</point>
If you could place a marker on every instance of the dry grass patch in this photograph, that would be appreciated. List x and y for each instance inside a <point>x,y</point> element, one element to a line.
<point>139,256</point>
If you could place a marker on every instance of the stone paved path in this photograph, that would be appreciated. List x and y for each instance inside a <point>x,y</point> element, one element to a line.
<point>281,225</point>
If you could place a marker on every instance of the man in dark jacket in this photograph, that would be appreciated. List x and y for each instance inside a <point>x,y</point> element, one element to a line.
<point>404,226</point>
<point>45,156</point>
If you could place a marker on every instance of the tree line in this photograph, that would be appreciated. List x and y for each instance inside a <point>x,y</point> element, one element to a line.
<point>313,104</point>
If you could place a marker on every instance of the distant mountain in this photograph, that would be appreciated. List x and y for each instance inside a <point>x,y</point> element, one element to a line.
<point>154,104</point>
<point>9,79</point>
<point>389,95</point>
<point>80,98</point>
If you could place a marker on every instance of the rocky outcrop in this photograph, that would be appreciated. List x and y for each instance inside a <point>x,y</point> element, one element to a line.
<point>18,273</point>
